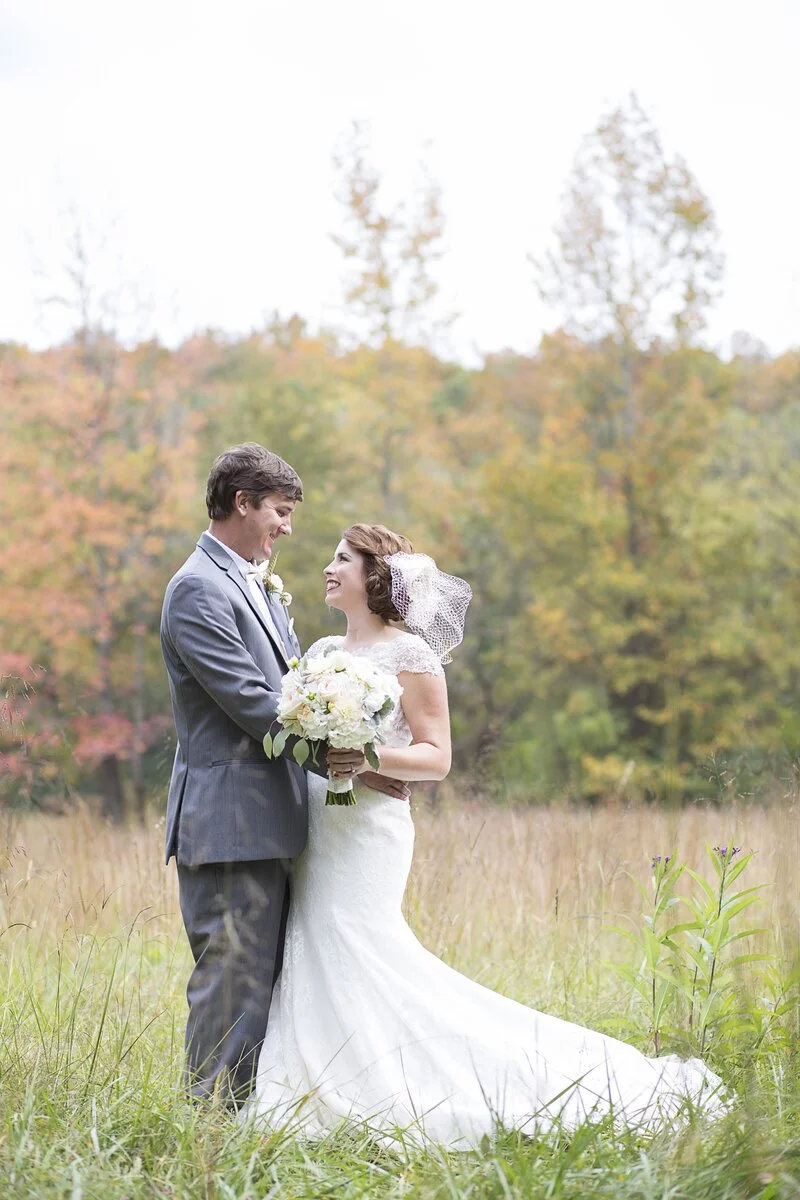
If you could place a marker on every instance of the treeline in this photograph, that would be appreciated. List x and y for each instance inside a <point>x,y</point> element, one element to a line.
<point>623,502</point>
<point>635,605</point>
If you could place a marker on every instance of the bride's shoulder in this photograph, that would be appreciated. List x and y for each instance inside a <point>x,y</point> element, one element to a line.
<point>411,653</point>
<point>324,642</point>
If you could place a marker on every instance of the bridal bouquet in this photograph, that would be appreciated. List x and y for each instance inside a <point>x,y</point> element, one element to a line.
<point>337,698</point>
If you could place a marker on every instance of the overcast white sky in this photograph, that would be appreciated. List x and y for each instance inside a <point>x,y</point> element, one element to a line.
<point>199,134</point>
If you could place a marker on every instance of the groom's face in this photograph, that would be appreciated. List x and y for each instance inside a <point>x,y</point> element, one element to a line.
<point>262,526</point>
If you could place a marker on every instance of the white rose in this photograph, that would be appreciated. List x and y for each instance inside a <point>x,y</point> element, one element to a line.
<point>313,724</point>
<point>337,660</point>
<point>316,666</point>
<point>345,711</point>
<point>290,704</point>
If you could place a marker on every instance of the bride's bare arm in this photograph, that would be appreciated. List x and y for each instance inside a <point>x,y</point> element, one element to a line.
<point>425,707</point>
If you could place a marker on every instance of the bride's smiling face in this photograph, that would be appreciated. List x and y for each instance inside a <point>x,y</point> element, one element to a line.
<point>344,579</point>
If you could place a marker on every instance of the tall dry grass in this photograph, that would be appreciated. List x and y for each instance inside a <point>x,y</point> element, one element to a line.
<point>518,898</point>
<point>93,965</point>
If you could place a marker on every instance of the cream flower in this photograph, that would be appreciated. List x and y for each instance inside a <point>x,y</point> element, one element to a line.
<point>334,697</point>
<point>274,584</point>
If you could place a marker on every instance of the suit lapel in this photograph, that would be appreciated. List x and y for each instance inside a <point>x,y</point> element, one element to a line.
<point>280,615</point>
<point>226,563</point>
<point>274,636</point>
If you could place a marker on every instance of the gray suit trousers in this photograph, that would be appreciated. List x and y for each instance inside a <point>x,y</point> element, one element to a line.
<point>235,918</point>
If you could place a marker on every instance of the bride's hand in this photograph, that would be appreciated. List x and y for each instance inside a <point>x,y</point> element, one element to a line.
<point>346,764</point>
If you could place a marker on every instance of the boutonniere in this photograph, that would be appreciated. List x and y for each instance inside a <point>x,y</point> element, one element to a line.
<point>274,584</point>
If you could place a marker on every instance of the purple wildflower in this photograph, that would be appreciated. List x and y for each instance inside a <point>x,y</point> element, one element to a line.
<point>723,852</point>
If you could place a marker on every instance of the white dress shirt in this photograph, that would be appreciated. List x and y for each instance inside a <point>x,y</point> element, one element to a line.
<point>256,591</point>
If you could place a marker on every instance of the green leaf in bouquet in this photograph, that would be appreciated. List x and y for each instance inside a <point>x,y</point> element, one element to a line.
<point>300,752</point>
<point>279,742</point>
<point>371,755</point>
<point>268,744</point>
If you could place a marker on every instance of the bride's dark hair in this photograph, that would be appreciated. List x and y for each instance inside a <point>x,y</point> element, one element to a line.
<point>374,542</point>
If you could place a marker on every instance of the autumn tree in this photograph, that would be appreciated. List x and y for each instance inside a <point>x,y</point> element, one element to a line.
<point>99,460</point>
<point>390,297</point>
<point>636,265</point>
<point>101,480</point>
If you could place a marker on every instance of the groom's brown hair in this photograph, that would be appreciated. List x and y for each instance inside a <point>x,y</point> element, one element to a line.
<point>252,469</point>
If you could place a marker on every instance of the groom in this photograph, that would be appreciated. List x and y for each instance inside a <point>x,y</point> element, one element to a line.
<point>234,816</point>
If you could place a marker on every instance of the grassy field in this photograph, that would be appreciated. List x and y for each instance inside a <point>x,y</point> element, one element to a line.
<point>93,965</point>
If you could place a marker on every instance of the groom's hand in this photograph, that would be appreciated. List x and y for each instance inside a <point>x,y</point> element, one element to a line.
<point>382,783</point>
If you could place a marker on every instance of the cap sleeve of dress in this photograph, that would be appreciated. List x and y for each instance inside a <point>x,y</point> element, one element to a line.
<point>323,643</point>
<point>413,654</point>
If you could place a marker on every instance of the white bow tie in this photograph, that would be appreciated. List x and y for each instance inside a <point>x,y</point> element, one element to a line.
<point>251,571</point>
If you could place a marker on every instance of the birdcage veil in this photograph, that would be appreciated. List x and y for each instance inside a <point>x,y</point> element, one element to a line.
<point>431,603</point>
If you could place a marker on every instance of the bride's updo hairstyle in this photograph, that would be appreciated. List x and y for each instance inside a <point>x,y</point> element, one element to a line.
<point>374,542</point>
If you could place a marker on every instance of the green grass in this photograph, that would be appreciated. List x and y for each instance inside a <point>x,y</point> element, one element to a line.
<point>92,973</point>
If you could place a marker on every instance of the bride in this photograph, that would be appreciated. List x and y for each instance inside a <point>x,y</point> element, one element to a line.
<point>366,1024</point>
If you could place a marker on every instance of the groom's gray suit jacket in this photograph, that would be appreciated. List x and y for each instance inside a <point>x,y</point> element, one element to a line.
<point>227,801</point>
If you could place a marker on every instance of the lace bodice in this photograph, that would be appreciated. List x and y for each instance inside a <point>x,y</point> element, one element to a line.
<point>405,652</point>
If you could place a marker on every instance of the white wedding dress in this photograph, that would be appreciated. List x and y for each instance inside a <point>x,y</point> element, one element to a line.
<point>367,1025</point>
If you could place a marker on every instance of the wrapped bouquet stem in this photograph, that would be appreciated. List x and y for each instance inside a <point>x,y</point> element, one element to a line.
<point>338,698</point>
<point>340,791</point>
